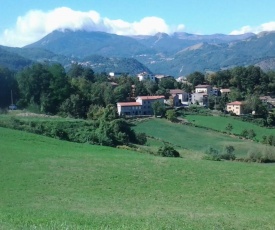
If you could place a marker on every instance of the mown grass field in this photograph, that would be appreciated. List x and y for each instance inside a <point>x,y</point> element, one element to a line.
<point>52,184</point>
<point>193,138</point>
<point>219,123</point>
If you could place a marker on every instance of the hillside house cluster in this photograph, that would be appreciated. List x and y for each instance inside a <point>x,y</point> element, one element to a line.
<point>142,106</point>
<point>178,97</point>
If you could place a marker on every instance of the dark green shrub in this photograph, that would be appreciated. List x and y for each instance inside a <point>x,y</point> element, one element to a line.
<point>212,154</point>
<point>254,156</point>
<point>244,133</point>
<point>229,127</point>
<point>229,153</point>
<point>168,151</point>
<point>141,138</point>
<point>251,134</point>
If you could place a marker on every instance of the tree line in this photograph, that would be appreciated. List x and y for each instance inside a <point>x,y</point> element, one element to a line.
<point>78,93</point>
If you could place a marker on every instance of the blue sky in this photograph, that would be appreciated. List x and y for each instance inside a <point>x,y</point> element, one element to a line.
<point>25,21</point>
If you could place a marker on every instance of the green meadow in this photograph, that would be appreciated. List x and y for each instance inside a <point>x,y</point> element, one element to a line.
<point>52,184</point>
<point>186,137</point>
<point>219,123</point>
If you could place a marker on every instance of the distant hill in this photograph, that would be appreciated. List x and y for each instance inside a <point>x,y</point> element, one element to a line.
<point>122,65</point>
<point>39,55</point>
<point>171,44</point>
<point>82,43</point>
<point>176,54</point>
<point>12,60</point>
<point>205,56</point>
<point>18,58</point>
<point>267,64</point>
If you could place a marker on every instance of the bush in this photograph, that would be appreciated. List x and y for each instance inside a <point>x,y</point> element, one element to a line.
<point>141,138</point>
<point>229,153</point>
<point>171,115</point>
<point>249,134</point>
<point>168,151</point>
<point>265,156</point>
<point>212,154</point>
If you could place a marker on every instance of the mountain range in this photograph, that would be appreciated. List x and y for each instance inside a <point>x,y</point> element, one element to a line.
<point>176,54</point>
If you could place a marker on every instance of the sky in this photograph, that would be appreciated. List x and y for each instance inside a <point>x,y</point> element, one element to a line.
<point>23,22</point>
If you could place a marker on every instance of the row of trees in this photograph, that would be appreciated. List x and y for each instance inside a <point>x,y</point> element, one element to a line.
<point>78,93</point>
<point>81,93</point>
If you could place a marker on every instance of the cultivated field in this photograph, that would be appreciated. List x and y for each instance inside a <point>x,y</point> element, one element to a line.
<point>195,139</point>
<point>219,123</point>
<point>52,184</point>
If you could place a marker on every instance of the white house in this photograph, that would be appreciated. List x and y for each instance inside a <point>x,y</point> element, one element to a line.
<point>179,96</point>
<point>129,108</point>
<point>235,107</point>
<point>203,89</point>
<point>115,74</point>
<point>146,76</point>
<point>199,98</point>
<point>142,106</point>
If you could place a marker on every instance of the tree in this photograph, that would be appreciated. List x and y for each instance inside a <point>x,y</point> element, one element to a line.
<point>76,70</point>
<point>171,115</point>
<point>158,108</point>
<point>122,92</point>
<point>8,84</point>
<point>95,112</point>
<point>34,85</point>
<point>88,74</point>
<point>253,103</point>
<point>167,83</point>
<point>196,78</point>
<point>151,87</point>
<point>75,106</point>
<point>110,113</point>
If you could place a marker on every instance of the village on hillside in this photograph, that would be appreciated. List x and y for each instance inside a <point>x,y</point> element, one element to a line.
<point>178,98</point>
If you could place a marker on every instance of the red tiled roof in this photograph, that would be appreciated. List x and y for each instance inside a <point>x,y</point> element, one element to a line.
<point>125,104</point>
<point>235,103</point>
<point>150,97</point>
<point>202,86</point>
<point>176,91</point>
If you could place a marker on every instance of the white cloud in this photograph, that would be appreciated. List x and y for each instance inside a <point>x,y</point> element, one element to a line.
<point>36,24</point>
<point>269,26</point>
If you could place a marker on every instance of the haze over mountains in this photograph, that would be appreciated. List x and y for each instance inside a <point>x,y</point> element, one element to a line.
<point>176,54</point>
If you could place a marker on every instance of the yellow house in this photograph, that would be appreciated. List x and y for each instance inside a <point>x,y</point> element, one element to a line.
<point>235,107</point>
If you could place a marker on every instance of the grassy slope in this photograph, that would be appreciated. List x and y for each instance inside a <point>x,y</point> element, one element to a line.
<point>196,139</point>
<point>220,123</point>
<point>51,184</point>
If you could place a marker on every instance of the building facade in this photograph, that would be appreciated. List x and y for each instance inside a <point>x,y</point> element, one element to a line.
<point>146,76</point>
<point>142,106</point>
<point>236,107</point>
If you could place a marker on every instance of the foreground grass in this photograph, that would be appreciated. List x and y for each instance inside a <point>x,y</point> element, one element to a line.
<point>195,139</point>
<point>220,123</point>
<point>51,184</point>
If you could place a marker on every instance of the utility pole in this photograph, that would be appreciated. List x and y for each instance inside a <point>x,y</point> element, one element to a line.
<point>11,98</point>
